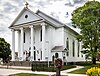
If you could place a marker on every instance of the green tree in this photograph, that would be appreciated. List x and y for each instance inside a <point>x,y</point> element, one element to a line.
<point>5,51</point>
<point>87,18</point>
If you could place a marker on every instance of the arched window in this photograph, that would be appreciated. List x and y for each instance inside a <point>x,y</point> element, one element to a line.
<point>67,47</point>
<point>73,43</point>
<point>56,55</point>
<point>67,44</point>
<point>41,35</point>
<point>78,49</point>
<point>41,55</point>
<point>34,55</point>
<point>24,37</point>
<point>53,57</point>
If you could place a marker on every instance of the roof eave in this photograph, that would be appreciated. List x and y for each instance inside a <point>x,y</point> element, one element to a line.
<point>38,11</point>
<point>72,30</point>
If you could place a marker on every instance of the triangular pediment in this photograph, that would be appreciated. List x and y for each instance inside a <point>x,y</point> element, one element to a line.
<point>25,16</point>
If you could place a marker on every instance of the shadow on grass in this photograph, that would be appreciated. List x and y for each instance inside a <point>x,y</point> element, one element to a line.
<point>27,74</point>
<point>86,67</point>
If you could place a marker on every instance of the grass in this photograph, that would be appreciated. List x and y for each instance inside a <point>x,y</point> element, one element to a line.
<point>86,67</point>
<point>27,74</point>
<point>81,71</point>
<point>97,62</point>
<point>68,66</point>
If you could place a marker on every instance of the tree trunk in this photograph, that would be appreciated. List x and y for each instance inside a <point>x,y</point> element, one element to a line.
<point>94,60</point>
<point>94,57</point>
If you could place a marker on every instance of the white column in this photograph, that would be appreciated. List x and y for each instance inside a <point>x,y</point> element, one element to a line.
<point>18,32</point>
<point>32,43</point>
<point>43,41</point>
<point>13,45</point>
<point>22,44</point>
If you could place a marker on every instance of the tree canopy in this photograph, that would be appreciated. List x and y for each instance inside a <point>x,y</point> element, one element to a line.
<point>5,51</point>
<point>87,18</point>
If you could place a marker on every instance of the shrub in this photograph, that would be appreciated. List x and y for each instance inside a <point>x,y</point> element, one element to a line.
<point>83,63</point>
<point>42,67</point>
<point>94,71</point>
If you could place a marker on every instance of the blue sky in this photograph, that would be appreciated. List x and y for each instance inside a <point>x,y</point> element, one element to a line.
<point>9,9</point>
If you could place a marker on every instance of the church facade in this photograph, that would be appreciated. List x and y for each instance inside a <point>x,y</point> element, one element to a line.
<point>43,38</point>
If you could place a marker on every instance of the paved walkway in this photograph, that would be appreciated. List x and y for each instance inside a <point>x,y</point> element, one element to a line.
<point>6,72</point>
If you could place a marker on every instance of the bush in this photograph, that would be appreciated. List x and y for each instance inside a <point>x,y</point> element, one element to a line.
<point>83,63</point>
<point>42,67</point>
<point>95,71</point>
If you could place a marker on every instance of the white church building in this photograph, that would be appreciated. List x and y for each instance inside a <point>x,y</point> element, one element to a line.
<point>43,38</point>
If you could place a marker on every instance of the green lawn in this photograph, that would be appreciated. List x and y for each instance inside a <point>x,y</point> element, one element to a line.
<point>27,74</point>
<point>81,71</point>
<point>86,67</point>
<point>98,62</point>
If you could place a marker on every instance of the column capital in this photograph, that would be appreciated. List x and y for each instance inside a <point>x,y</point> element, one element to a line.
<point>31,26</point>
<point>21,28</point>
<point>43,24</point>
<point>12,29</point>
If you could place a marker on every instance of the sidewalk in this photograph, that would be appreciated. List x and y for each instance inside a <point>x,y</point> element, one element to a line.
<point>6,72</point>
<point>16,67</point>
<point>69,70</point>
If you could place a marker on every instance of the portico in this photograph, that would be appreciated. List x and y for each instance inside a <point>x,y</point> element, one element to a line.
<point>21,41</point>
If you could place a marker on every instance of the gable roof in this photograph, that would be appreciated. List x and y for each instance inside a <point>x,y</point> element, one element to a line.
<point>20,14</point>
<point>60,24</point>
<point>49,19</point>
<point>57,49</point>
<point>44,17</point>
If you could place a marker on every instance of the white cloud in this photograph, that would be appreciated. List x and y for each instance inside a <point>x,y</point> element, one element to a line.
<point>9,9</point>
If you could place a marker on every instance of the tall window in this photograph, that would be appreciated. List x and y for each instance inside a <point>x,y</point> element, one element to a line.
<point>53,57</point>
<point>56,55</point>
<point>67,44</point>
<point>41,55</point>
<point>41,35</point>
<point>24,37</point>
<point>73,43</point>
<point>78,49</point>
<point>67,47</point>
<point>67,53</point>
<point>34,55</point>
